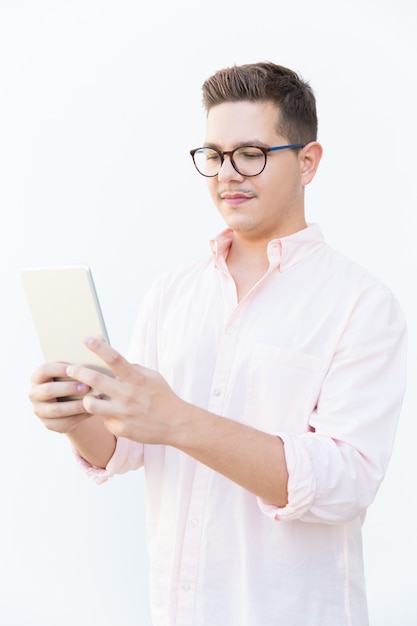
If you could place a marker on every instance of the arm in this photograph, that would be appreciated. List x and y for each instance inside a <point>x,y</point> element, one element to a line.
<point>333,469</point>
<point>86,432</point>
<point>252,458</point>
<point>142,407</point>
<point>93,441</point>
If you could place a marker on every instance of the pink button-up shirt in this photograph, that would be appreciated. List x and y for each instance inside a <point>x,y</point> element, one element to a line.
<point>315,353</point>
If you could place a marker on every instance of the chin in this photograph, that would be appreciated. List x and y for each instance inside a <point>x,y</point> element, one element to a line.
<point>236,221</point>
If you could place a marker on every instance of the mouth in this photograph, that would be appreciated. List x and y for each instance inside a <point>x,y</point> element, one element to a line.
<point>236,197</point>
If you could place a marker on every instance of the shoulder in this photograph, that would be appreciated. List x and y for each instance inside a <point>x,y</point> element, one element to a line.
<point>363,291</point>
<point>179,281</point>
<point>337,266</point>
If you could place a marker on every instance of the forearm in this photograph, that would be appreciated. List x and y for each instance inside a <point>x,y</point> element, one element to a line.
<point>138,404</point>
<point>251,458</point>
<point>93,441</point>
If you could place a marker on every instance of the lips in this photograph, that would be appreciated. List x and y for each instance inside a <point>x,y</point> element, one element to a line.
<point>235,197</point>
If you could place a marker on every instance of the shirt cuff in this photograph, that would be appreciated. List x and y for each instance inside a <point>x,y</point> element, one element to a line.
<point>128,455</point>
<point>301,482</point>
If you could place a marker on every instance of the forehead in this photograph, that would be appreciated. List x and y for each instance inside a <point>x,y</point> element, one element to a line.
<point>234,123</point>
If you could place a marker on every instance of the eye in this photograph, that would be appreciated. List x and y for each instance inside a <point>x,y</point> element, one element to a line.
<point>249,153</point>
<point>206,154</point>
<point>212,156</point>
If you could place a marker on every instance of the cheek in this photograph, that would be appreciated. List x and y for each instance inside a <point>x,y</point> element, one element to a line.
<point>212,188</point>
<point>283,184</point>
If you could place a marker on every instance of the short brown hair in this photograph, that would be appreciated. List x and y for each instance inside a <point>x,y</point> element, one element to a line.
<point>268,82</point>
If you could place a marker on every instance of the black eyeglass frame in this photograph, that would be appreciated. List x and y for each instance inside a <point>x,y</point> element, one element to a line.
<point>230,153</point>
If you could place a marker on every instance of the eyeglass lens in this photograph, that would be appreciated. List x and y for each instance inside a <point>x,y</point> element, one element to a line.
<point>247,161</point>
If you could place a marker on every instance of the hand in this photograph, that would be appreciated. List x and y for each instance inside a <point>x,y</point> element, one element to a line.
<point>48,390</point>
<point>137,403</point>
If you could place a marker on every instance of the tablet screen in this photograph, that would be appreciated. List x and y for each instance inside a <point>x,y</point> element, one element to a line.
<point>65,310</point>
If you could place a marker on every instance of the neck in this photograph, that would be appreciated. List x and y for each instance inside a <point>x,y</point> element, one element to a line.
<point>247,259</point>
<point>247,263</point>
<point>243,250</point>
<point>253,246</point>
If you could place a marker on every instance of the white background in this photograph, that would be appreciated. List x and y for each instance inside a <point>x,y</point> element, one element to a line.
<point>100,102</point>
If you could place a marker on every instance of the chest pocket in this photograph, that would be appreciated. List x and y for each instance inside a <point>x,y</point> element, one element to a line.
<point>282,389</point>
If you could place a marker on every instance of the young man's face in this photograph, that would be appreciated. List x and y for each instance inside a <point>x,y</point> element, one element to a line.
<point>258,207</point>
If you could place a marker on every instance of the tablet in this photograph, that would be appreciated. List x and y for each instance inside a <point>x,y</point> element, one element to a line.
<point>65,310</point>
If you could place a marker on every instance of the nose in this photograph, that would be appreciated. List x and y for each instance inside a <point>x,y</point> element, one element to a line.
<point>227,171</point>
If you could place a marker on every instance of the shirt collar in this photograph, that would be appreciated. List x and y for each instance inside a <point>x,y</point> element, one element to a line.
<point>292,248</point>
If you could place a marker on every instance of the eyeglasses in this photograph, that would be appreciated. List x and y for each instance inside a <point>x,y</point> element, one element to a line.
<point>247,160</point>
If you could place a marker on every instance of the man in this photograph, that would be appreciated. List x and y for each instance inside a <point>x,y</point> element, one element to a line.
<point>268,389</point>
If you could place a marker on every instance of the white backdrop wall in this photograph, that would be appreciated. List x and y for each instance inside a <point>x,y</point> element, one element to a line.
<point>99,104</point>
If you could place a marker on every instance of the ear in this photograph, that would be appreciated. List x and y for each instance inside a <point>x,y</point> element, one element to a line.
<point>309,158</point>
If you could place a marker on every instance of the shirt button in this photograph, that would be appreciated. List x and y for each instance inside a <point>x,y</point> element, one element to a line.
<point>195,523</point>
<point>186,587</point>
<point>230,330</point>
<point>217,392</point>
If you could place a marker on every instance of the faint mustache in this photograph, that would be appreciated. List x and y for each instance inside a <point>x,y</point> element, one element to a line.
<point>236,192</point>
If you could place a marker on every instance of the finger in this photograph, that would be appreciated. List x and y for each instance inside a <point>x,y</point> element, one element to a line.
<point>113,359</point>
<point>53,390</point>
<point>50,411</point>
<point>98,405</point>
<point>66,423</point>
<point>48,371</point>
<point>96,380</point>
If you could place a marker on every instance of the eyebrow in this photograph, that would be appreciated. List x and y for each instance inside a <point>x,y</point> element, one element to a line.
<point>241,144</point>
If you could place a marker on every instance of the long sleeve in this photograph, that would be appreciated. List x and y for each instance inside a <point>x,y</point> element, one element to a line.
<point>336,468</point>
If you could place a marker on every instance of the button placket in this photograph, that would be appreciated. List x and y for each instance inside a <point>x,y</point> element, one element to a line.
<point>191,547</point>
<point>223,365</point>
